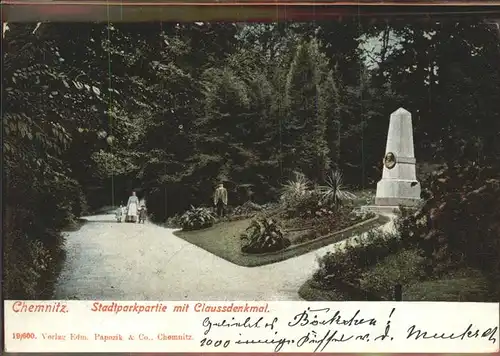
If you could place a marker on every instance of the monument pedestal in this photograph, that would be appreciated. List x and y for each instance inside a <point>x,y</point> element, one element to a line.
<point>395,192</point>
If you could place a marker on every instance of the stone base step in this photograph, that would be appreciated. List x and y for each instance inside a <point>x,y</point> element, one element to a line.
<point>381,209</point>
<point>385,209</point>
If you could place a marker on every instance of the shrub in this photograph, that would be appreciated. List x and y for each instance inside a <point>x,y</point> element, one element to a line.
<point>306,206</point>
<point>340,265</point>
<point>404,267</point>
<point>21,276</point>
<point>197,218</point>
<point>264,235</point>
<point>33,250</point>
<point>459,223</point>
<point>174,222</point>
<point>246,209</point>
<point>74,194</point>
<point>348,263</point>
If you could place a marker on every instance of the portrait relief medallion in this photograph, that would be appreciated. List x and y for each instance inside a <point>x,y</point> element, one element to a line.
<point>389,160</point>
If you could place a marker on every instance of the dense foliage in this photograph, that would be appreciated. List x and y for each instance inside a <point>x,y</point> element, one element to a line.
<point>197,218</point>
<point>92,111</point>
<point>459,225</point>
<point>264,235</point>
<point>348,263</point>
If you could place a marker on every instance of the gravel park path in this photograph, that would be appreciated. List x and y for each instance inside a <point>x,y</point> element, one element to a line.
<point>107,260</point>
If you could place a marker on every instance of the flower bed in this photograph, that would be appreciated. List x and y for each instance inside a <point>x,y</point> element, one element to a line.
<point>301,239</point>
<point>224,240</point>
<point>326,224</point>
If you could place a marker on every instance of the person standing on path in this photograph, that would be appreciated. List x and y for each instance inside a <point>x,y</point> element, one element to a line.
<point>132,208</point>
<point>220,200</point>
<point>119,213</point>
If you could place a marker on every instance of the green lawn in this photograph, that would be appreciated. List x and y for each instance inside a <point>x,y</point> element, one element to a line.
<point>223,240</point>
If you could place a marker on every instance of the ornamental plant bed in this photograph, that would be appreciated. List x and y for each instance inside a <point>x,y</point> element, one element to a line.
<point>321,226</point>
<point>303,238</point>
<point>223,239</point>
<point>250,210</point>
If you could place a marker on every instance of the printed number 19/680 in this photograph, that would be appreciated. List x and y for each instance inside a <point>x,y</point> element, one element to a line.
<point>216,343</point>
<point>23,336</point>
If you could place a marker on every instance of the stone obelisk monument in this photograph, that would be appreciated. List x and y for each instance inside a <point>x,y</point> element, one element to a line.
<point>399,185</point>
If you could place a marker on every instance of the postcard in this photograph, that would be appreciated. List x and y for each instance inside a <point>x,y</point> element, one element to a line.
<point>258,186</point>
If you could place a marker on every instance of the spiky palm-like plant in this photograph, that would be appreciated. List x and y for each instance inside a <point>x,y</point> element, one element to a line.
<point>295,189</point>
<point>334,193</point>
